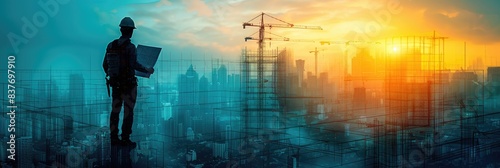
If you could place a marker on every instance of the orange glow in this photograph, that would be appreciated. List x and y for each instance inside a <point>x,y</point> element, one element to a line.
<point>375,22</point>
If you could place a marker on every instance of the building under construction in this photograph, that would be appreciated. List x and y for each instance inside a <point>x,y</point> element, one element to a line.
<point>407,110</point>
<point>414,97</point>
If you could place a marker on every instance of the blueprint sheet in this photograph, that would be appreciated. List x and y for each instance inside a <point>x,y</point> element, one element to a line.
<point>147,56</point>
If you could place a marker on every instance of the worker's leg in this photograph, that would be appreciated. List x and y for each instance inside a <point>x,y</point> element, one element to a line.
<point>128,112</point>
<point>115,113</point>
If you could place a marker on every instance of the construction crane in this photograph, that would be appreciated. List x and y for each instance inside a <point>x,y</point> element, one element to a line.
<point>262,26</point>
<point>316,60</point>
<point>258,21</point>
<point>277,38</point>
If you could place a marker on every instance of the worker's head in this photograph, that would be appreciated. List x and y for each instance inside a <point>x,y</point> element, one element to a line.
<point>127,27</point>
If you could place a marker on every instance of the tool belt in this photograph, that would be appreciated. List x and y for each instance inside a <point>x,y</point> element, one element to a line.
<point>124,83</point>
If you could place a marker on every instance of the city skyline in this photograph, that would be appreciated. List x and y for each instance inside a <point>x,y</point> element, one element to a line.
<point>253,83</point>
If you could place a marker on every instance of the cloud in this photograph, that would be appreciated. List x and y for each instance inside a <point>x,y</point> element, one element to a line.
<point>199,7</point>
<point>475,22</point>
<point>189,23</point>
<point>479,28</point>
<point>215,25</point>
<point>163,3</point>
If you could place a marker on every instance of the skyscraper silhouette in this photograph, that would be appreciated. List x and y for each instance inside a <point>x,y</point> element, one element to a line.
<point>188,86</point>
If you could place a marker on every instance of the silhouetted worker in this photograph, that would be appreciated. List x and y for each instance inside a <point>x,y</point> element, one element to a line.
<point>120,63</point>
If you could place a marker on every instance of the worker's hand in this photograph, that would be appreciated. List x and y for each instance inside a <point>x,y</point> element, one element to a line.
<point>150,70</point>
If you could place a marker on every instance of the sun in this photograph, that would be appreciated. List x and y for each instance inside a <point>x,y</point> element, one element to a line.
<point>395,49</point>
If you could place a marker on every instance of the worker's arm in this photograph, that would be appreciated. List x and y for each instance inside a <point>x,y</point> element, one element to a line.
<point>105,62</point>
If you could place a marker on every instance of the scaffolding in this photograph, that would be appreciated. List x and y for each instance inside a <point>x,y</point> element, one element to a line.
<point>259,74</point>
<point>414,96</point>
<point>407,111</point>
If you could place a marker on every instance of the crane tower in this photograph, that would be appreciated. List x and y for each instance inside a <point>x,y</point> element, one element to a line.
<point>259,75</point>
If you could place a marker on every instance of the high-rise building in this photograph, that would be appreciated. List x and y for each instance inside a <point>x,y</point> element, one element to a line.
<point>215,80</point>
<point>150,118</point>
<point>220,150</point>
<point>220,84</point>
<point>234,84</point>
<point>229,139</point>
<point>462,84</point>
<point>104,119</point>
<point>42,95</point>
<point>56,128</point>
<point>191,156</point>
<point>38,125</point>
<point>494,78</point>
<point>494,74</point>
<point>300,70</point>
<point>227,135</point>
<point>68,127</point>
<point>224,90</point>
<point>77,96</point>
<point>234,81</point>
<point>188,99</point>
<point>363,64</point>
<point>188,87</point>
<point>167,111</point>
<point>204,92</point>
<point>222,76</point>
<point>190,134</point>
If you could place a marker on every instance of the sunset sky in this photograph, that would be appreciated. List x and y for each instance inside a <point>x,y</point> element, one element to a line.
<point>79,30</point>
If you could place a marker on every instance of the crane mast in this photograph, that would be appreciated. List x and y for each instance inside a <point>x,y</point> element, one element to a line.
<point>262,25</point>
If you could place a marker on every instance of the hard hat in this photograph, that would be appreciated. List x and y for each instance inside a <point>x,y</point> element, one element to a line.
<point>127,22</point>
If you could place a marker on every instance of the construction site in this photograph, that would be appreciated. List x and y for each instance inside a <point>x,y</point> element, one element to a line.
<point>400,109</point>
<point>392,103</point>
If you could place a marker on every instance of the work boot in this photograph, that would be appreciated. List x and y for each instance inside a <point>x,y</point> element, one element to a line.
<point>128,143</point>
